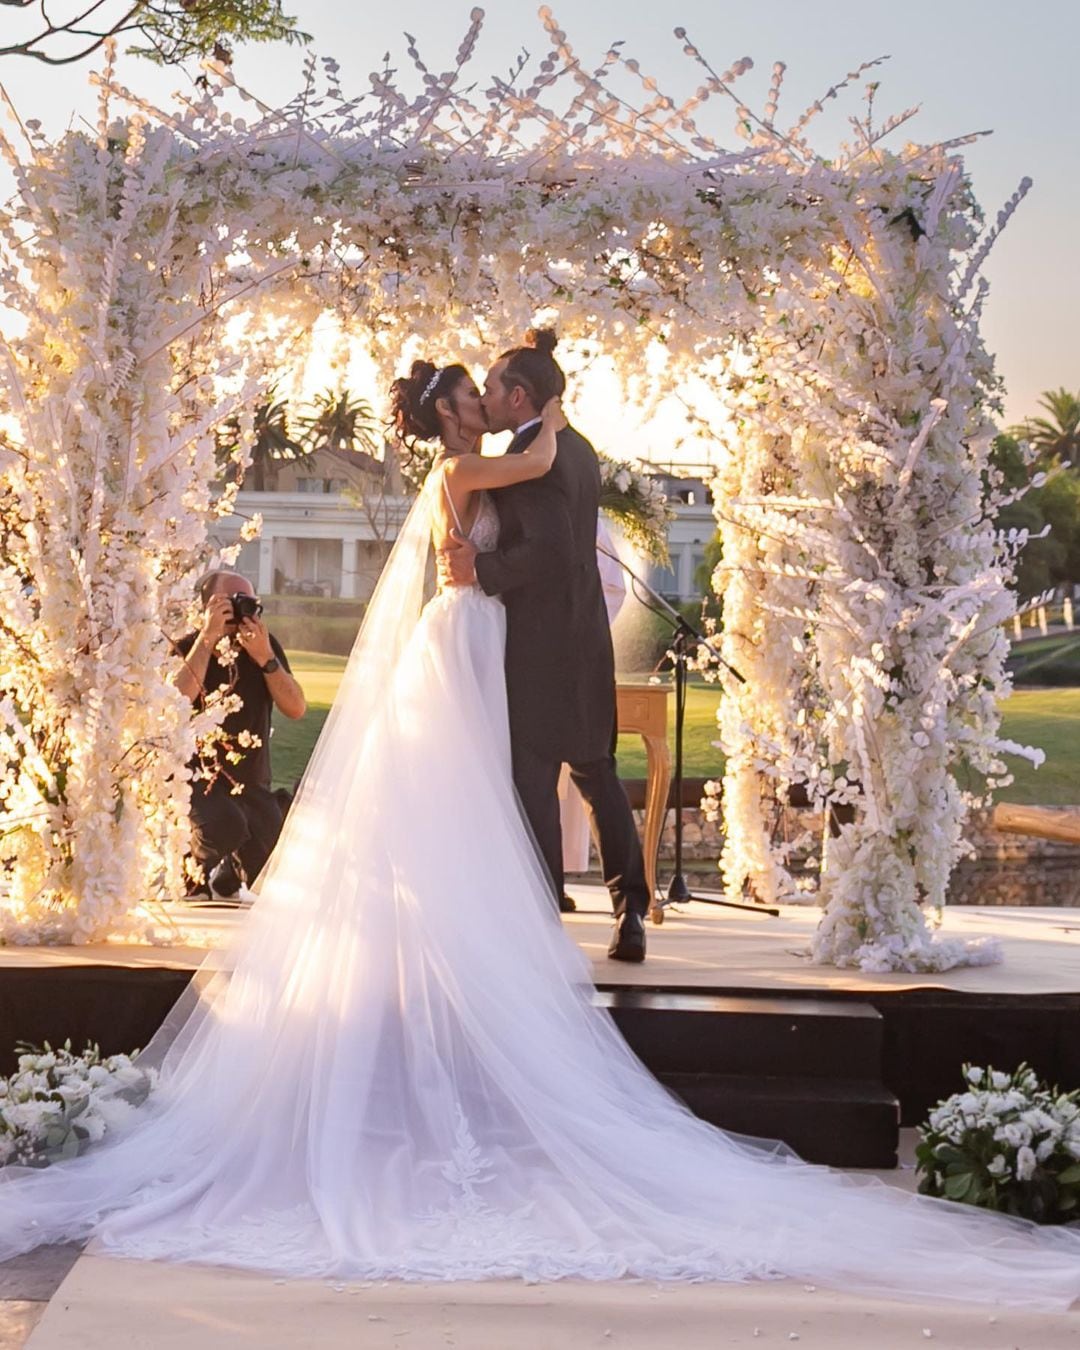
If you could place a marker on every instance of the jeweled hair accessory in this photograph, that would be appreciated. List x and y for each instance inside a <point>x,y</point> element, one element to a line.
<point>429,388</point>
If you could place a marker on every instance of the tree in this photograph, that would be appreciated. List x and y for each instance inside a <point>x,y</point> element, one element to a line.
<point>338,421</point>
<point>703,573</point>
<point>341,422</point>
<point>1053,559</point>
<point>270,444</point>
<point>703,577</point>
<point>167,32</point>
<point>1056,437</point>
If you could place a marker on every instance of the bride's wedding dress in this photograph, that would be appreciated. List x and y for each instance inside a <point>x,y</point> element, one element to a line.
<point>402,1074</point>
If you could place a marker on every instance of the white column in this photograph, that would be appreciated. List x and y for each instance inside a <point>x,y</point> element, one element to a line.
<point>1067,612</point>
<point>1018,631</point>
<point>1042,620</point>
<point>684,581</point>
<point>348,569</point>
<point>266,565</point>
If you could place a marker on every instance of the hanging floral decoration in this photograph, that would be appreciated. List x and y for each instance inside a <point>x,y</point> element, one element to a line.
<point>165,264</point>
<point>633,499</point>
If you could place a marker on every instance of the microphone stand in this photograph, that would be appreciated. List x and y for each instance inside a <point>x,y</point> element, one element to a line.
<point>683,634</point>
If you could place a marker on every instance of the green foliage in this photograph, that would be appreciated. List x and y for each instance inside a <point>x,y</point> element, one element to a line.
<point>328,626</point>
<point>167,32</point>
<point>1054,559</point>
<point>333,419</point>
<point>271,443</point>
<point>714,551</point>
<point>1009,1143</point>
<point>703,578</point>
<point>340,421</point>
<point>1055,437</point>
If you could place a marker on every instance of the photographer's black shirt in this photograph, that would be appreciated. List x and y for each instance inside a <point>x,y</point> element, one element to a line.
<point>247,680</point>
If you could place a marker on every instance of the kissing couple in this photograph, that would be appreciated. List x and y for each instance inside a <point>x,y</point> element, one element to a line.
<point>522,529</point>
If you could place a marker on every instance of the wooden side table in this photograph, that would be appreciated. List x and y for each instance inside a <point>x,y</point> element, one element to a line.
<point>643,708</point>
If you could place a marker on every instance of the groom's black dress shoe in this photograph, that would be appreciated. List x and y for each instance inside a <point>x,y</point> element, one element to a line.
<point>567,904</point>
<point>628,944</point>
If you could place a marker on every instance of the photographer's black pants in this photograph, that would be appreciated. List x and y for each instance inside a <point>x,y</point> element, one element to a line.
<point>246,825</point>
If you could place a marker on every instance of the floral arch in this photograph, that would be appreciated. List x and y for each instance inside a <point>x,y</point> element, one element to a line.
<point>832,306</point>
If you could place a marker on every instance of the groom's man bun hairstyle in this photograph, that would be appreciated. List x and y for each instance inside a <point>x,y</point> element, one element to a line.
<point>542,340</point>
<point>412,400</point>
<point>533,367</point>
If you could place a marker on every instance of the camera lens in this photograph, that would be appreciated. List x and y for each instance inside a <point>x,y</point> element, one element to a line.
<point>245,607</point>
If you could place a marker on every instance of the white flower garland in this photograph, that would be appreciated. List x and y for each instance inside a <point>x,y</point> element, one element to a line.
<point>818,299</point>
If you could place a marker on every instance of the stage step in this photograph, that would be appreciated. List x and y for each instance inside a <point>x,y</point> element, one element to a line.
<point>843,1122</point>
<point>706,1033</point>
<point>804,1070</point>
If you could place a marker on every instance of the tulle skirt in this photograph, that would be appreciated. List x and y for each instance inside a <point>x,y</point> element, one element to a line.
<point>403,1076</point>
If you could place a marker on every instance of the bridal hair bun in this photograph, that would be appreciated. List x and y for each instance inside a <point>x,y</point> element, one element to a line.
<point>412,403</point>
<point>543,340</point>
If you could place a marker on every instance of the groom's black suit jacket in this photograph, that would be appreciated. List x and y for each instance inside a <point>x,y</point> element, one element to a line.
<point>560,671</point>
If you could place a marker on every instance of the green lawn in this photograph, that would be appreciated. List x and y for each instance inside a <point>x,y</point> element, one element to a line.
<point>1046,717</point>
<point>1049,718</point>
<point>319,676</point>
<point>1050,661</point>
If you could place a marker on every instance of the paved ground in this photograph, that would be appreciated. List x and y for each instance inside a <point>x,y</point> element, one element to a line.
<point>26,1285</point>
<point>124,1305</point>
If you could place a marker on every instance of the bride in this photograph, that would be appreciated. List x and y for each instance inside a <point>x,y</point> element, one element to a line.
<point>399,1073</point>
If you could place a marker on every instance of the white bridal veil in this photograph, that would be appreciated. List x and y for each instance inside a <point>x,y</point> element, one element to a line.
<point>399,1073</point>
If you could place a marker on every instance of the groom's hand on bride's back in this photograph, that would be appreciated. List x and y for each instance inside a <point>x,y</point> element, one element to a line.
<point>456,561</point>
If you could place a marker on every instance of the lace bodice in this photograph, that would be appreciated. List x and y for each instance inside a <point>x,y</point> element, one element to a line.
<point>485,528</point>
<point>484,535</point>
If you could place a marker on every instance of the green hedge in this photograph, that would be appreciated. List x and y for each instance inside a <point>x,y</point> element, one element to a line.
<point>303,632</point>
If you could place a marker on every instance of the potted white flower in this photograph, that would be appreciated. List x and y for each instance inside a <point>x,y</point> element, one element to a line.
<point>1009,1142</point>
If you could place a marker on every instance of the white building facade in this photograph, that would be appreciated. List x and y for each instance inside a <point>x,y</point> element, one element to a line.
<point>688,534</point>
<point>328,525</point>
<point>329,537</point>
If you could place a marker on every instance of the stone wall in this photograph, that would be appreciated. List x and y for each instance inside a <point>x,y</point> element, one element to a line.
<point>1008,869</point>
<point>1016,869</point>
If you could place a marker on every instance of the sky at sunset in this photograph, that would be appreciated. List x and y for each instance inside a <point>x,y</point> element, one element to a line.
<point>993,66</point>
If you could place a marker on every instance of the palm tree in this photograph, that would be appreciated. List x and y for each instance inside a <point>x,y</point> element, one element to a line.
<point>1057,436</point>
<point>271,442</point>
<point>342,422</point>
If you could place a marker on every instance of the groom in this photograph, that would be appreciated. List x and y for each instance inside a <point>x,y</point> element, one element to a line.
<point>560,670</point>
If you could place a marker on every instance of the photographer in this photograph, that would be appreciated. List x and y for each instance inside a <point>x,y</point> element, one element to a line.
<point>235,816</point>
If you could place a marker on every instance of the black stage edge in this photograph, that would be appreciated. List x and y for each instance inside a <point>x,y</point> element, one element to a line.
<point>116,1007</point>
<point>809,1067</point>
<point>929,1034</point>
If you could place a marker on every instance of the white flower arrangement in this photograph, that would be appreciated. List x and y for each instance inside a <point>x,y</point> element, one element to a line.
<point>1009,1142</point>
<point>56,1102</point>
<point>633,498</point>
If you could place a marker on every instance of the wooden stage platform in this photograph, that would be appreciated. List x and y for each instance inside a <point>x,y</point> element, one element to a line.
<point>726,1010</point>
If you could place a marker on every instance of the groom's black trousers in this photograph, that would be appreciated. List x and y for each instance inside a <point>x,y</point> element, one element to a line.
<point>621,858</point>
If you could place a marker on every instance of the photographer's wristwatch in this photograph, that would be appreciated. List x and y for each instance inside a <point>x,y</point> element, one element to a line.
<point>271,665</point>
